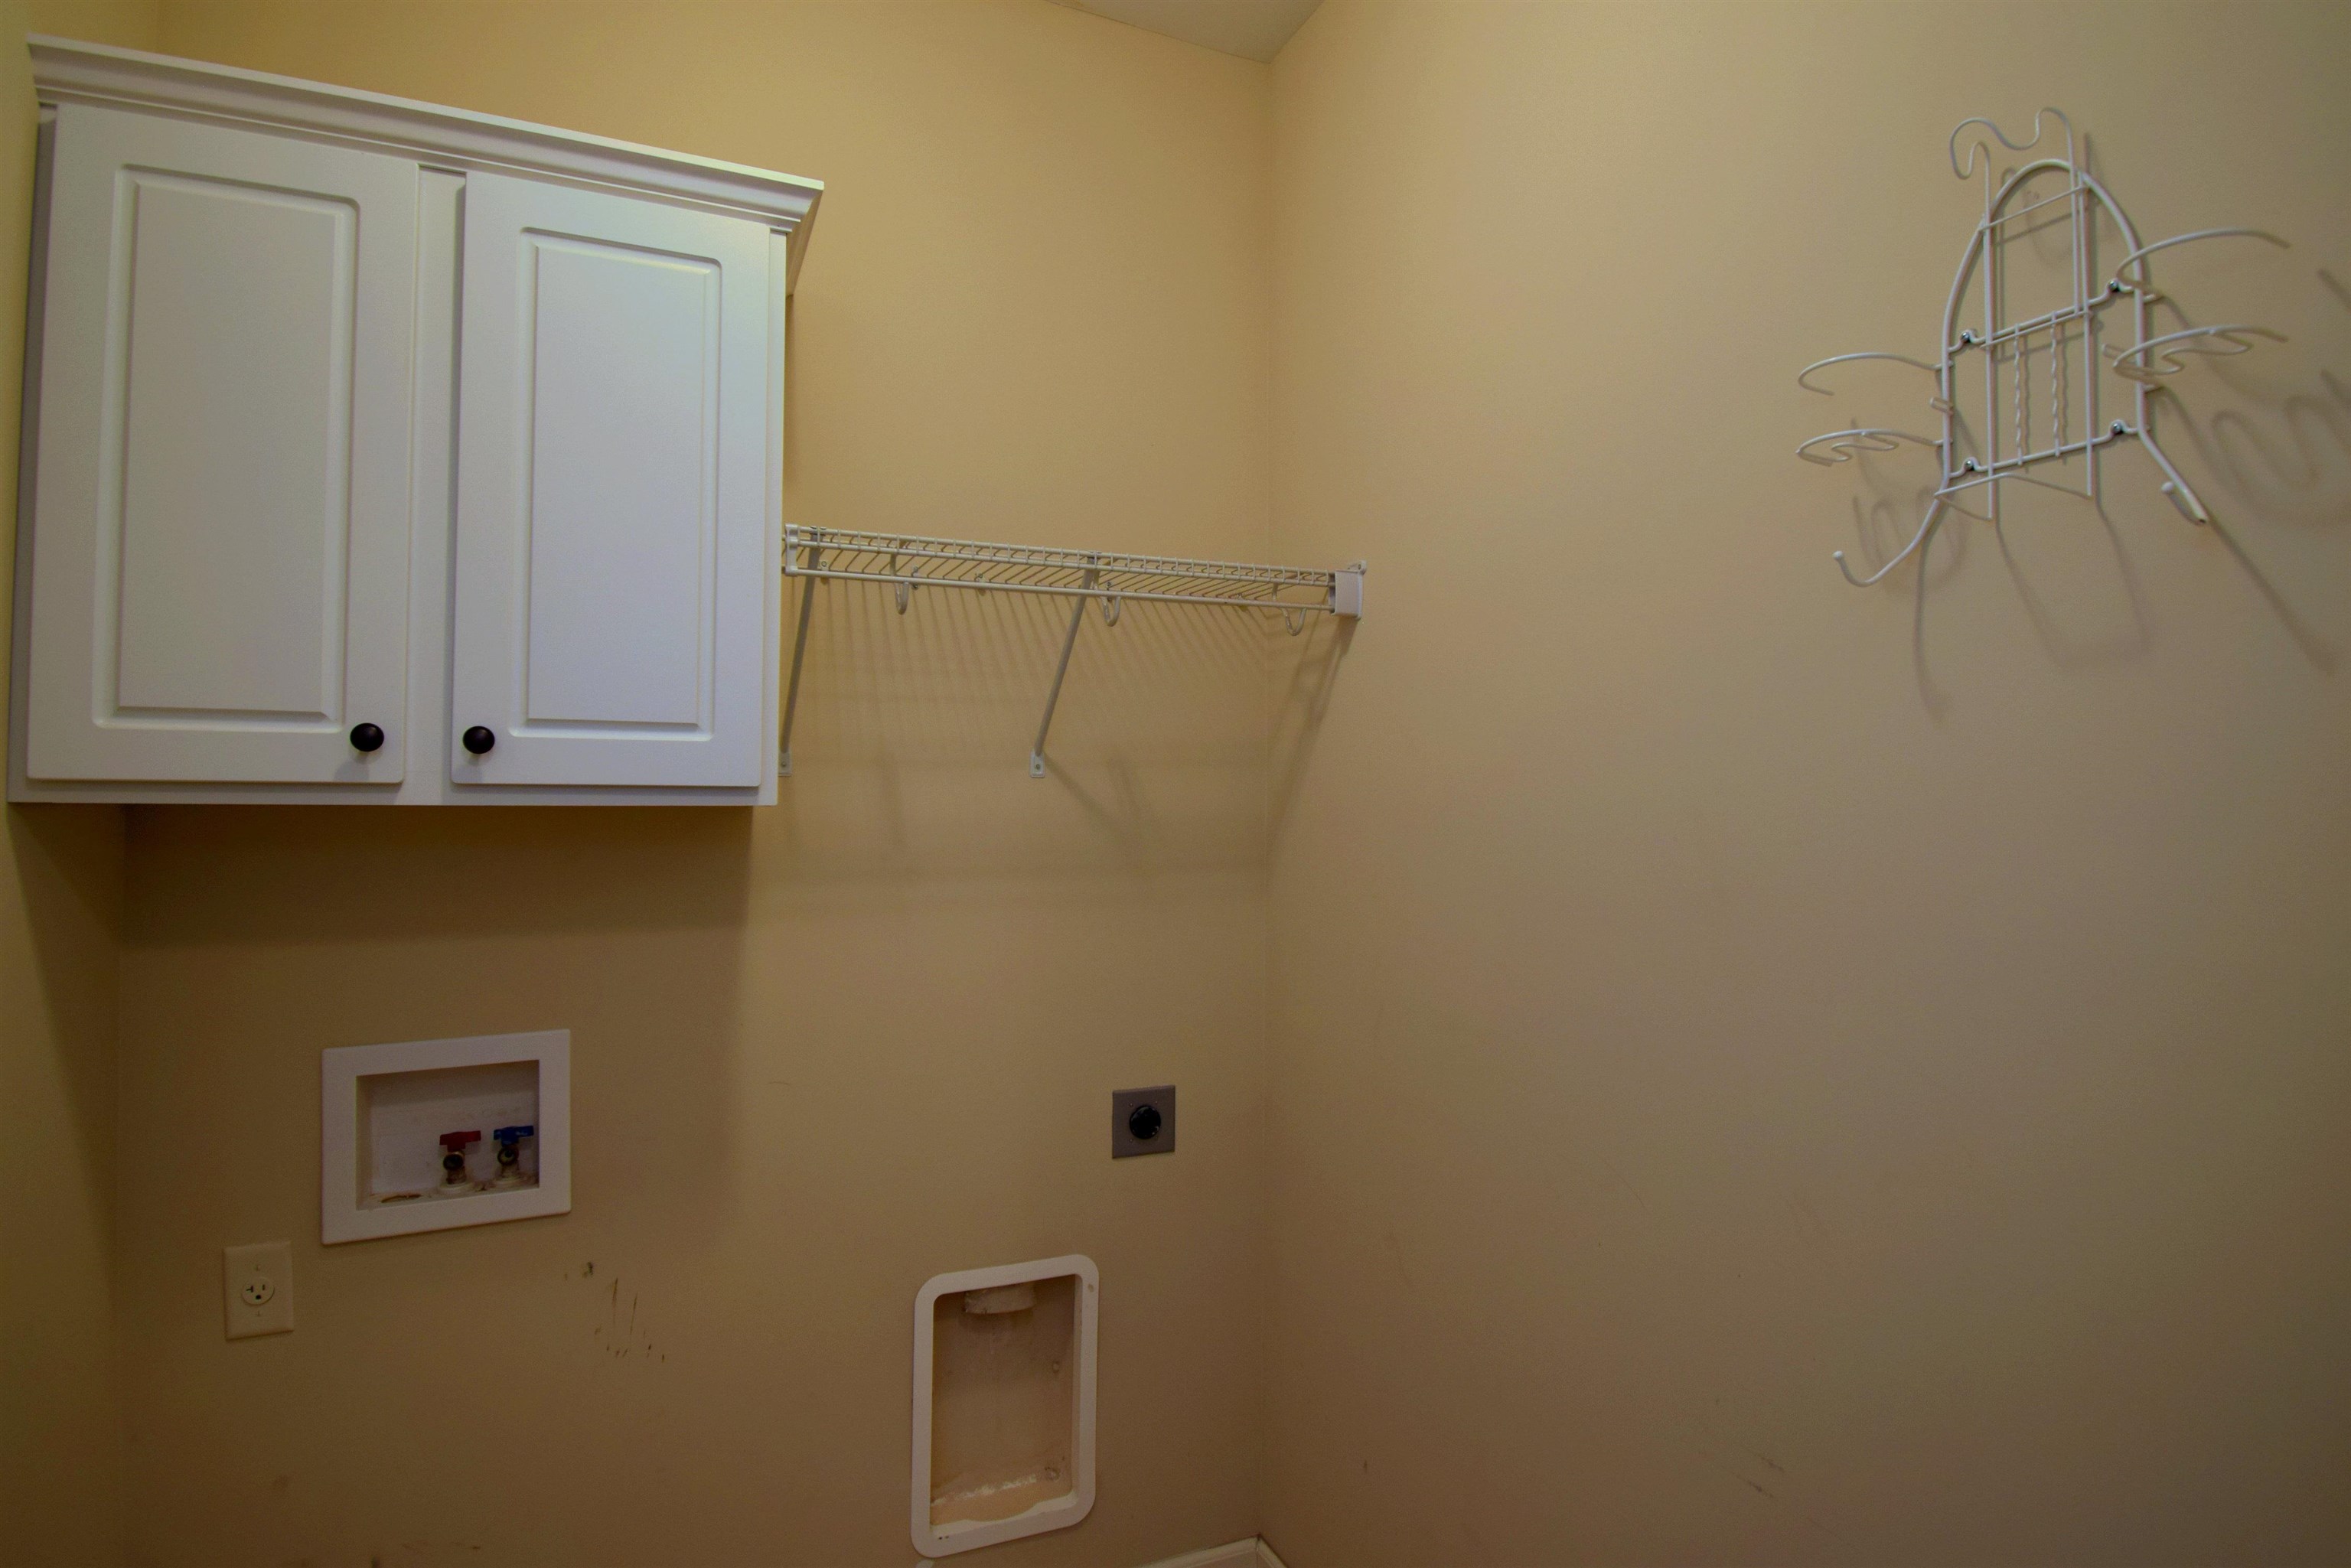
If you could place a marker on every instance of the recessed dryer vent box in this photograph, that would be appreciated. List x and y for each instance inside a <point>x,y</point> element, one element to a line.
<point>1004,1403</point>
<point>434,1134</point>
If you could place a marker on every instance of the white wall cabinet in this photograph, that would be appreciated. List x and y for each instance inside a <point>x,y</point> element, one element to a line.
<point>377,452</point>
<point>611,491</point>
<point>222,455</point>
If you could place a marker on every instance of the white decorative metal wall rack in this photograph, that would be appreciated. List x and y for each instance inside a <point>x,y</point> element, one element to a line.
<point>2074,335</point>
<point>909,562</point>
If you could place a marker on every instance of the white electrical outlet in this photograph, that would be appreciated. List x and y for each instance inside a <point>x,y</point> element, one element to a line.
<point>258,1288</point>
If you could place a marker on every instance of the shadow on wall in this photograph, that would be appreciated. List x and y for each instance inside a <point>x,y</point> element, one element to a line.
<point>1303,700</point>
<point>68,864</point>
<point>58,1076</point>
<point>911,763</point>
<point>231,875</point>
<point>259,936</point>
<point>2282,458</point>
<point>2283,454</point>
<point>911,750</point>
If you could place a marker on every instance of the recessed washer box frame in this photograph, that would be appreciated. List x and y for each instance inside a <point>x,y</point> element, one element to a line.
<point>1058,1513</point>
<point>343,1154</point>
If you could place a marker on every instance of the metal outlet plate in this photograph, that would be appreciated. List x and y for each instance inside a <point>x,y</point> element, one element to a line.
<point>1143,1122</point>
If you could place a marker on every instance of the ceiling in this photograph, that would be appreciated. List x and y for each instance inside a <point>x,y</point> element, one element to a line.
<point>1253,29</point>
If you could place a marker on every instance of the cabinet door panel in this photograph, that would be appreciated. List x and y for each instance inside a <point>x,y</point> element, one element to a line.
<point>611,491</point>
<point>220,512</point>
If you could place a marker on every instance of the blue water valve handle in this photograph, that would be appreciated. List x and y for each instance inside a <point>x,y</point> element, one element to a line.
<point>514,1135</point>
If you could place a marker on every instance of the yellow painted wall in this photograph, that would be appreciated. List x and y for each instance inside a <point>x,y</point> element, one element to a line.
<point>61,939</point>
<point>1739,1095</point>
<point>1757,1072</point>
<point>821,1052</point>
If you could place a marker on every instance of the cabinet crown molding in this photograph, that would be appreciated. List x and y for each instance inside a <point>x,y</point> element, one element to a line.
<point>66,71</point>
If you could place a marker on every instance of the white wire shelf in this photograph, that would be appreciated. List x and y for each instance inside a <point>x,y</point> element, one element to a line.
<point>916,561</point>
<point>911,561</point>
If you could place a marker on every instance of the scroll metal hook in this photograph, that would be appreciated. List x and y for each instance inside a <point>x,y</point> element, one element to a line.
<point>1963,171</point>
<point>1926,527</point>
<point>2139,364</point>
<point>1113,606</point>
<point>1839,445</point>
<point>2143,251</point>
<point>1845,358</point>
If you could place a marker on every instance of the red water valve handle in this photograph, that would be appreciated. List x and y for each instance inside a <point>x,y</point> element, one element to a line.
<point>455,1141</point>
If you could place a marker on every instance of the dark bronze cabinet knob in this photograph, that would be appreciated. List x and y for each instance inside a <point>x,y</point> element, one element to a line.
<point>367,737</point>
<point>480,738</point>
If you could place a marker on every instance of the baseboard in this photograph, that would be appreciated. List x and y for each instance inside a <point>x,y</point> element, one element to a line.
<point>1251,1554</point>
